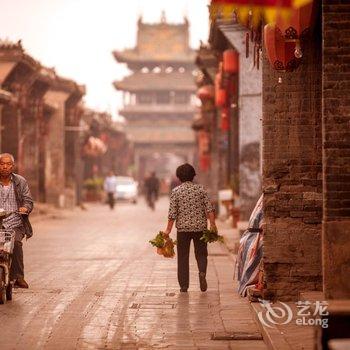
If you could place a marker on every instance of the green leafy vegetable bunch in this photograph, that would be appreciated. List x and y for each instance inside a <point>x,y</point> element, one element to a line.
<point>158,241</point>
<point>210,236</point>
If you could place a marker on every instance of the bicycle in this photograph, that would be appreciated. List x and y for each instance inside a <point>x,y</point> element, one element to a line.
<point>7,241</point>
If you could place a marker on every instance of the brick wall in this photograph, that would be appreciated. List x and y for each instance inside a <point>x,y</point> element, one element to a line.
<point>292,176</point>
<point>336,148</point>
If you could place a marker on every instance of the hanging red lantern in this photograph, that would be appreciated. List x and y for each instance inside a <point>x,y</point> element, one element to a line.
<point>204,149</point>
<point>203,142</point>
<point>220,97</point>
<point>298,24</point>
<point>230,61</point>
<point>206,92</point>
<point>204,162</point>
<point>220,92</point>
<point>280,51</point>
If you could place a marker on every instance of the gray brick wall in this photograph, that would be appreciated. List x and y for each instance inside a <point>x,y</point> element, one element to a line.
<point>336,152</point>
<point>292,176</point>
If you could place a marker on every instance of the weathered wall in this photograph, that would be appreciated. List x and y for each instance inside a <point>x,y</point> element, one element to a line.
<point>336,148</point>
<point>250,114</point>
<point>29,147</point>
<point>10,121</point>
<point>292,176</point>
<point>55,156</point>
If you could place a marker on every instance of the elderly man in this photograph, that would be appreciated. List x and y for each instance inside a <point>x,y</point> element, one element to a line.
<point>15,197</point>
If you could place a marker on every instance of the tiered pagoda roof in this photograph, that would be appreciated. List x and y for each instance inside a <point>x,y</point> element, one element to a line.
<point>139,81</point>
<point>161,61</point>
<point>159,43</point>
<point>161,135</point>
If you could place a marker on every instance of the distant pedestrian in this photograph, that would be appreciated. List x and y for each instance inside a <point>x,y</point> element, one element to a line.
<point>190,208</point>
<point>15,197</point>
<point>152,185</point>
<point>110,187</point>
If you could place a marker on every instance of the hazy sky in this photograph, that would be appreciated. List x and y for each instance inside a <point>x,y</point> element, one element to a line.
<point>77,36</point>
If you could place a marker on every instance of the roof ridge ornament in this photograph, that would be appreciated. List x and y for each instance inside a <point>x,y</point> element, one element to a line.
<point>163,17</point>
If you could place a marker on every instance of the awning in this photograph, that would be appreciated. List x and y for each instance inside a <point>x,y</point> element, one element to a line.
<point>255,11</point>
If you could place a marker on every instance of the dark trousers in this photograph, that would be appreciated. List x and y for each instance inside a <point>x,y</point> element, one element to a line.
<point>17,265</point>
<point>183,254</point>
<point>111,199</point>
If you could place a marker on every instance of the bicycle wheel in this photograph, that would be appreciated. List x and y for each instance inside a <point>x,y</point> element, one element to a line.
<point>2,287</point>
<point>9,291</point>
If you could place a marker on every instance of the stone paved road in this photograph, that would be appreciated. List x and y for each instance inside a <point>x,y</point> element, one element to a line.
<point>95,283</point>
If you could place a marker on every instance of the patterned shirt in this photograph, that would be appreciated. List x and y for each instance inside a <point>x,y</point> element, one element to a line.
<point>189,206</point>
<point>8,203</point>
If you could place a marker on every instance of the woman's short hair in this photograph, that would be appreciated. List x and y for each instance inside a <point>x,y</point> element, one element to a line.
<point>185,172</point>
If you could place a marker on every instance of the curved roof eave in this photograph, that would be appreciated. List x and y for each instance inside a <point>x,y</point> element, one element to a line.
<point>134,57</point>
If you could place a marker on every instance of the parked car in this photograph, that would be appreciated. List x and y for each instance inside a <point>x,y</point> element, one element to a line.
<point>127,189</point>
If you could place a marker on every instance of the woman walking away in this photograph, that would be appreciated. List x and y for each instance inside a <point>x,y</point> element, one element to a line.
<point>190,208</point>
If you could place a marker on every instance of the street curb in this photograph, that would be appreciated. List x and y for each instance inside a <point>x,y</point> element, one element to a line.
<point>273,337</point>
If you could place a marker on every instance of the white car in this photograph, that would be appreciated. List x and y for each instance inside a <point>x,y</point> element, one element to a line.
<point>126,189</point>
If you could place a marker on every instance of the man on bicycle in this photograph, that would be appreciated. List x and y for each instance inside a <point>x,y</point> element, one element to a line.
<point>15,197</point>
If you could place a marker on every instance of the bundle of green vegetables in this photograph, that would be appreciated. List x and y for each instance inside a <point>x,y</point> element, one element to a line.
<point>164,244</point>
<point>158,241</point>
<point>210,236</point>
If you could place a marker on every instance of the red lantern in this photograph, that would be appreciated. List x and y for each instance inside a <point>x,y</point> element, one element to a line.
<point>282,41</point>
<point>299,23</point>
<point>220,92</point>
<point>204,162</point>
<point>203,150</point>
<point>280,51</point>
<point>203,142</point>
<point>230,61</point>
<point>220,97</point>
<point>225,119</point>
<point>206,92</point>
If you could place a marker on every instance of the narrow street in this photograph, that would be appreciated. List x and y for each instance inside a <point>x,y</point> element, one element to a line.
<point>96,283</point>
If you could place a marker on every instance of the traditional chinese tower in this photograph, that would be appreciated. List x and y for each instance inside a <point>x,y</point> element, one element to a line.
<point>159,96</point>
